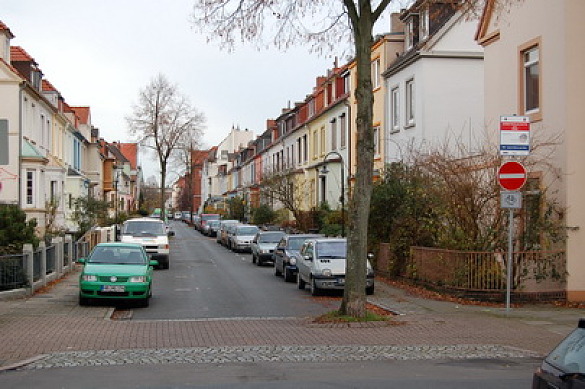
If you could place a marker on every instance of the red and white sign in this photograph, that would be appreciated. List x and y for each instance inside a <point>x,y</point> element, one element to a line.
<point>514,135</point>
<point>512,175</point>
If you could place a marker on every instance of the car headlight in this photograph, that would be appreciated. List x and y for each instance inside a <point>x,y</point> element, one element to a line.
<point>137,279</point>
<point>163,246</point>
<point>89,277</point>
<point>327,272</point>
<point>264,251</point>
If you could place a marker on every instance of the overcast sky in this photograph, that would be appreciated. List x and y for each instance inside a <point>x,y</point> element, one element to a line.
<point>101,53</point>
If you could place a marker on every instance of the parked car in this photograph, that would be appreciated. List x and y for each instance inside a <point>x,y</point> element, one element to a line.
<point>263,246</point>
<point>210,228</point>
<point>116,271</point>
<point>242,237</point>
<point>227,233</point>
<point>285,255</point>
<point>221,232</point>
<point>152,235</point>
<point>178,215</point>
<point>186,218</point>
<point>564,367</point>
<point>321,264</point>
<point>204,218</point>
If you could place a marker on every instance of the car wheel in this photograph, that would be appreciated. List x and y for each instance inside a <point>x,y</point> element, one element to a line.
<point>259,261</point>
<point>277,272</point>
<point>83,301</point>
<point>144,303</point>
<point>286,274</point>
<point>300,283</point>
<point>253,258</point>
<point>370,290</point>
<point>315,291</point>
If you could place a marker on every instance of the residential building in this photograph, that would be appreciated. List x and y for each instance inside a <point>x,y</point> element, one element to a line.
<point>533,67</point>
<point>435,86</point>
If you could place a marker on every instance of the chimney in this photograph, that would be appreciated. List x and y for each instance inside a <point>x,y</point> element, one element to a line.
<point>396,25</point>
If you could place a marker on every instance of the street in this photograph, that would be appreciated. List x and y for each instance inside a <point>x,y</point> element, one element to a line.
<point>206,280</point>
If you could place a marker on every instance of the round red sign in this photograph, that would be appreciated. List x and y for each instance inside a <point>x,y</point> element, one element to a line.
<point>512,175</point>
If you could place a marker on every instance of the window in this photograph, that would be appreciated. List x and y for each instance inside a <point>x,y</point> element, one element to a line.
<point>377,141</point>
<point>342,130</point>
<point>395,109</point>
<point>322,141</point>
<point>424,24</point>
<point>53,191</point>
<point>305,149</point>
<point>315,144</point>
<point>410,102</point>
<point>333,134</point>
<point>346,84</point>
<point>409,41</point>
<point>30,188</point>
<point>531,79</point>
<point>376,73</point>
<point>323,192</point>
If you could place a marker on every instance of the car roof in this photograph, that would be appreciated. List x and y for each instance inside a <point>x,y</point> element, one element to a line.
<point>145,219</point>
<point>118,244</point>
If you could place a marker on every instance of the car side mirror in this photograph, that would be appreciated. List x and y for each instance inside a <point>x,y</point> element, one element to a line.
<point>370,255</point>
<point>81,260</point>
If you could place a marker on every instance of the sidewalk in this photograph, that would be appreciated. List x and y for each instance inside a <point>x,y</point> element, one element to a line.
<point>54,325</point>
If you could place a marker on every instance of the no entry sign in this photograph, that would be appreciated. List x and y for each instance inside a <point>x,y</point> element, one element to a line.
<point>512,175</point>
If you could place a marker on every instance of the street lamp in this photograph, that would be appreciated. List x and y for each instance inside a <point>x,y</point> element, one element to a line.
<point>116,177</point>
<point>324,171</point>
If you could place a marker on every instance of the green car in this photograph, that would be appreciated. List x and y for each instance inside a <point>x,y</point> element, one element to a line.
<point>121,271</point>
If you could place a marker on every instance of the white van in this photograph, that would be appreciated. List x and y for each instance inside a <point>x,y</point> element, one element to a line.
<point>152,235</point>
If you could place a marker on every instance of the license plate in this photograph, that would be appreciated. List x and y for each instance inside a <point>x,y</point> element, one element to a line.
<point>340,281</point>
<point>113,288</point>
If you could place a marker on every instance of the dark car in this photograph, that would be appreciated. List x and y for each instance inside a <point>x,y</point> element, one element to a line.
<point>288,248</point>
<point>564,367</point>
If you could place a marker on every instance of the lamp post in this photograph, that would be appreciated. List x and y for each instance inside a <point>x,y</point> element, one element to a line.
<point>324,171</point>
<point>116,176</point>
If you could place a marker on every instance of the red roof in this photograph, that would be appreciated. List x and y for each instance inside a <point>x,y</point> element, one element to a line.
<point>48,87</point>
<point>130,151</point>
<point>4,27</point>
<point>82,113</point>
<point>18,54</point>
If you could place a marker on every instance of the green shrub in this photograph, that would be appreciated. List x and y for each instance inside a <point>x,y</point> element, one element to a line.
<point>15,230</point>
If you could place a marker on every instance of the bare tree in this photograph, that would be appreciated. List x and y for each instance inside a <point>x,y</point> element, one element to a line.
<point>289,190</point>
<point>323,24</point>
<point>164,121</point>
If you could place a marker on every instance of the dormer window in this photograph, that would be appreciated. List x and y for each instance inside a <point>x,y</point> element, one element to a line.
<point>424,24</point>
<point>411,31</point>
<point>35,79</point>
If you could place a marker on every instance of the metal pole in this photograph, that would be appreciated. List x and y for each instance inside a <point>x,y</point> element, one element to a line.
<point>342,201</point>
<point>509,264</point>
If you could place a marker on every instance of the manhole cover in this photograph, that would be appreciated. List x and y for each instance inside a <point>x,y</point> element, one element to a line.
<point>122,314</point>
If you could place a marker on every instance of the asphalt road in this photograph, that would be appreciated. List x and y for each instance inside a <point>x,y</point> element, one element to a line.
<point>443,374</point>
<point>206,280</point>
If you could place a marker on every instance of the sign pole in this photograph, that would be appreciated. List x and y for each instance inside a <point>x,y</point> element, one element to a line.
<point>510,256</point>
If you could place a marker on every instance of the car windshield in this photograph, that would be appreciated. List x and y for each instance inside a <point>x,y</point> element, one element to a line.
<point>207,217</point>
<point>569,355</point>
<point>295,243</point>
<point>144,228</point>
<point>270,237</point>
<point>251,230</point>
<point>331,249</point>
<point>117,255</point>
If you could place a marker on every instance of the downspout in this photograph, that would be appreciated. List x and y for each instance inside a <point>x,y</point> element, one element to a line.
<point>349,148</point>
<point>20,110</point>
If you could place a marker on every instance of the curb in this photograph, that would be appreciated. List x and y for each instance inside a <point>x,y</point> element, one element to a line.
<point>24,362</point>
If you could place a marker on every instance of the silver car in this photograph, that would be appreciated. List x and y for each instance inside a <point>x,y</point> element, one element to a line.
<point>263,246</point>
<point>242,237</point>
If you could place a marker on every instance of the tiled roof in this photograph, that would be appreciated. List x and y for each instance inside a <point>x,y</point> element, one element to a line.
<point>130,151</point>
<point>18,54</point>
<point>4,27</point>
<point>48,87</point>
<point>82,113</point>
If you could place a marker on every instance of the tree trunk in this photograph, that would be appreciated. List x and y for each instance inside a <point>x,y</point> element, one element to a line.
<point>354,297</point>
<point>163,177</point>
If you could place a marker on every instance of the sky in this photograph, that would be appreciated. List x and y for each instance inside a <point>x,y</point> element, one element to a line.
<point>100,53</point>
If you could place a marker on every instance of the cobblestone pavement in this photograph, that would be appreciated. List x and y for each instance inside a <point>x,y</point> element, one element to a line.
<point>51,329</point>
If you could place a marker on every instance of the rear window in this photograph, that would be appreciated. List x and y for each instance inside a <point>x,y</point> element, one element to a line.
<point>144,228</point>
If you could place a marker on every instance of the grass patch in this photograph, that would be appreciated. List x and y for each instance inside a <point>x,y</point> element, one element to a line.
<point>337,317</point>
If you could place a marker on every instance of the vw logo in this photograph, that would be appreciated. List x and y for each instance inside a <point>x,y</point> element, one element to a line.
<point>113,278</point>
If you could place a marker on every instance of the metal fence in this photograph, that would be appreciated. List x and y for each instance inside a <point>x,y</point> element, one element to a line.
<point>533,271</point>
<point>12,272</point>
<point>37,264</point>
<point>50,256</point>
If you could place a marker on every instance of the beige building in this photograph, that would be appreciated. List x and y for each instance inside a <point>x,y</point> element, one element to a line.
<point>534,67</point>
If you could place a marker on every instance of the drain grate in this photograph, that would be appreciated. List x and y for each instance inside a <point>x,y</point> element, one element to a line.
<point>122,314</point>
